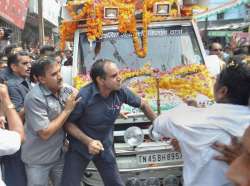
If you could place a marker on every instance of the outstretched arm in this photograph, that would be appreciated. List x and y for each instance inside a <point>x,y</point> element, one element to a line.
<point>145,107</point>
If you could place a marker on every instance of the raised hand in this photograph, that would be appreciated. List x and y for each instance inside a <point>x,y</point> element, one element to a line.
<point>228,152</point>
<point>71,101</point>
<point>3,92</point>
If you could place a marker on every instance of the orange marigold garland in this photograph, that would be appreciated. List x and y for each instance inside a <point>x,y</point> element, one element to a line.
<point>94,23</point>
<point>126,16</point>
<point>86,10</point>
<point>93,12</point>
<point>67,30</point>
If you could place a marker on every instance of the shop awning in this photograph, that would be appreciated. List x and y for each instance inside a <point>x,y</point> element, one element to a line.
<point>222,8</point>
<point>229,26</point>
<point>222,33</point>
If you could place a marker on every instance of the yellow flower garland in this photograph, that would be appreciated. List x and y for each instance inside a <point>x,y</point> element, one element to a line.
<point>186,81</point>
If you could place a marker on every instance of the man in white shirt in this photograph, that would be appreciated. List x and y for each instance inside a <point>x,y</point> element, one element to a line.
<point>10,140</point>
<point>197,129</point>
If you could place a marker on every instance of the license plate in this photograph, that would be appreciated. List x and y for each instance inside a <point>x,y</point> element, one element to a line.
<point>159,157</point>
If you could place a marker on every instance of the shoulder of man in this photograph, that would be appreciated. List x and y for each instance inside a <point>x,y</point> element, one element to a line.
<point>13,80</point>
<point>5,74</point>
<point>86,90</point>
<point>125,90</point>
<point>35,92</point>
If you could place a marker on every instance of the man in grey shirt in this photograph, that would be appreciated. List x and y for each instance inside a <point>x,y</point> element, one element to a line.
<point>46,109</point>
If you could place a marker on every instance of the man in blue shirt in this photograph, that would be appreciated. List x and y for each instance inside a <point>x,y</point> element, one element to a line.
<point>90,126</point>
<point>19,64</point>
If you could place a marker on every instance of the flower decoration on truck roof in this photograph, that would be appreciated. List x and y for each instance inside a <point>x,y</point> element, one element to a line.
<point>122,12</point>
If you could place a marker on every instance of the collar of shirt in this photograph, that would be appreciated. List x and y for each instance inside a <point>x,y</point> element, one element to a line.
<point>19,80</point>
<point>95,89</point>
<point>47,93</point>
<point>45,90</point>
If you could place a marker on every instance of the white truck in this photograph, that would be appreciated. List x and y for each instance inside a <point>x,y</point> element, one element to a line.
<point>174,42</point>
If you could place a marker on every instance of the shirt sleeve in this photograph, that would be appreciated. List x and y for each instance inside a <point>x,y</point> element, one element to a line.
<point>130,98</point>
<point>16,97</point>
<point>36,116</point>
<point>10,142</point>
<point>163,126</point>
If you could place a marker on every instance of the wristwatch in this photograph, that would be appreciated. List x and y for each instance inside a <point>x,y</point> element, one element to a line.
<point>11,106</point>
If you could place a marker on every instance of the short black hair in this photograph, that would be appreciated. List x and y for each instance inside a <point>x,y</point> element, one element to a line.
<point>236,77</point>
<point>41,65</point>
<point>97,69</point>
<point>46,50</point>
<point>13,57</point>
<point>33,70</point>
<point>9,48</point>
<point>7,32</point>
<point>214,42</point>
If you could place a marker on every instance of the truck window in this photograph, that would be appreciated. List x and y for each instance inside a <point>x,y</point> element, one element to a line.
<point>168,47</point>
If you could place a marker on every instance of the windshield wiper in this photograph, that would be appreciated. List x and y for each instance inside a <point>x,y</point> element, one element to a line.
<point>116,54</point>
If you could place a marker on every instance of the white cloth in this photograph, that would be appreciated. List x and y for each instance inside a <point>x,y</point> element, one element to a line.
<point>10,142</point>
<point>196,130</point>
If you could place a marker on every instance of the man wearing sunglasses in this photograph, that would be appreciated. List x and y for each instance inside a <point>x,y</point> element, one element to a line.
<point>216,49</point>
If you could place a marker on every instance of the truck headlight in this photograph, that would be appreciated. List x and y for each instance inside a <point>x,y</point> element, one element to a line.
<point>133,136</point>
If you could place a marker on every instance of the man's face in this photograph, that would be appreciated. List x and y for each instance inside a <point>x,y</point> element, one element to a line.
<point>216,49</point>
<point>68,54</point>
<point>22,68</point>
<point>239,170</point>
<point>58,59</point>
<point>112,80</point>
<point>52,79</point>
<point>3,65</point>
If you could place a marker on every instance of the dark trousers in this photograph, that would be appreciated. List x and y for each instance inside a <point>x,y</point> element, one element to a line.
<point>14,170</point>
<point>75,165</point>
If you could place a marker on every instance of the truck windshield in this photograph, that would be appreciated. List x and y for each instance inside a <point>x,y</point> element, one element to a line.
<point>168,47</point>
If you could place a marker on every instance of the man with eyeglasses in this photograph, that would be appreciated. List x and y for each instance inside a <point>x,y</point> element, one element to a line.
<point>5,73</point>
<point>216,49</point>
<point>19,64</point>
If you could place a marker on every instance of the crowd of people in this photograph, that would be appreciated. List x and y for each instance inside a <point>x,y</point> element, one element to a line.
<point>39,113</point>
<point>227,54</point>
<point>43,103</point>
